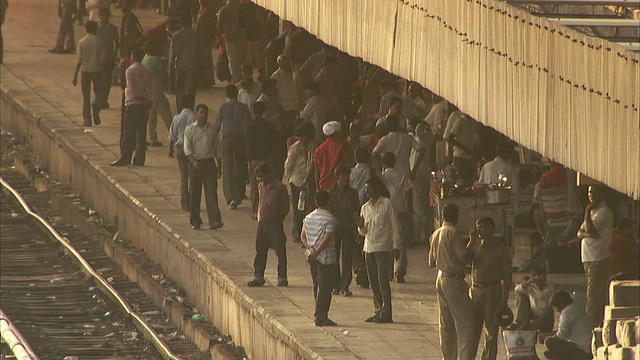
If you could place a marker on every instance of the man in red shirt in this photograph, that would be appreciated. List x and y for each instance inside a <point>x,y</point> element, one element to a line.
<point>332,153</point>
<point>555,178</point>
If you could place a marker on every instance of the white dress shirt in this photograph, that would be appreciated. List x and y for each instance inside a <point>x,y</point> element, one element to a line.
<point>398,184</point>
<point>314,112</point>
<point>287,93</point>
<point>437,115</point>
<point>380,230</point>
<point>297,163</point>
<point>91,53</point>
<point>490,171</point>
<point>575,326</point>
<point>247,98</point>
<point>201,143</point>
<point>466,132</point>
<point>400,144</point>
<point>596,249</point>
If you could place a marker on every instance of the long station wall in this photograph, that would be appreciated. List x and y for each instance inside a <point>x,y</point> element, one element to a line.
<point>568,96</point>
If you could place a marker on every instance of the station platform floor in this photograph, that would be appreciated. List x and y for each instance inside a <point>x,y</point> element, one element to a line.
<point>30,30</point>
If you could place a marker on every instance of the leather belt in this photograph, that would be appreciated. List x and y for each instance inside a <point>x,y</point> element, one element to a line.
<point>485,285</point>
<point>450,275</point>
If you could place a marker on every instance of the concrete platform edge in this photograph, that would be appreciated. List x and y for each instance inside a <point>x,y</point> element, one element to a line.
<point>229,308</point>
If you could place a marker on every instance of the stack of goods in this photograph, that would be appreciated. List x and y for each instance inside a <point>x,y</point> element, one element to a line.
<point>619,337</point>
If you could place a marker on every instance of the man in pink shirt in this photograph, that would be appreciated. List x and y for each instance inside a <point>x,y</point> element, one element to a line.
<point>138,97</point>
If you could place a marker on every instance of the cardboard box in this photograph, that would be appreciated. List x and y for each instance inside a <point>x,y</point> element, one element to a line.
<point>621,353</point>
<point>626,332</point>
<point>624,293</point>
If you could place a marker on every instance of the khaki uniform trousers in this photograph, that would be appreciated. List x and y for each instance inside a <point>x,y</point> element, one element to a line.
<point>456,319</point>
<point>597,273</point>
<point>486,302</point>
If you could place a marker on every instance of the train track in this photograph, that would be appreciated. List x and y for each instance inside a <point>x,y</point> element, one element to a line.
<point>62,306</point>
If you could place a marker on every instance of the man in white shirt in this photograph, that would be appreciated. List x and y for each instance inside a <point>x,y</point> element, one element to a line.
<point>245,93</point>
<point>412,103</point>
<point>573,339</point>
<point>318,239</point>
<point>287,93</point>
<point>534,310</point>
<point>399,143</point>
<point>379,226</point>
<point>422,216</point>
<point>176,146</point>
<point>437,119</point>
<point>463,134</point>
<point>400,189</point>
<point>500,165</point>
<point>202,148</point>
<point>91,56</point>
<point>595,233</point>
<point>314,110</point>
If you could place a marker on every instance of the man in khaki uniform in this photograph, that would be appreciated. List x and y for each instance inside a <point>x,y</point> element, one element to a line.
<point>449,255</point>
<point>491,282</point>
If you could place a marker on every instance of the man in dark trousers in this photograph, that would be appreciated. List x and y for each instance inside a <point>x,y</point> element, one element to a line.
<point>138,97</point>
<point>91,56</point>
<point>108,33</point>
<point>202,149</point>
<point>273,207</point>
<point>66,42</point>
<point>490,283</point>
<point>182,60</point>
<point>317,237</point>
<point>259,139</point>
<point>232,120</point>
<point>176,146</point>
<point>378,224</point>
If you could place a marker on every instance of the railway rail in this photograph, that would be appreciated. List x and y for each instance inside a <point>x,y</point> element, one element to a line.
<point>62,305</point>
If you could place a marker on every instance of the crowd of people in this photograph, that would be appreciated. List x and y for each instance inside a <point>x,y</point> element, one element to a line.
<point>356,147</point>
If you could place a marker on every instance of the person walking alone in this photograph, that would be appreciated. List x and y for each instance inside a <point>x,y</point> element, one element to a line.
<point>90,61</point>
<point>108,33</point>
<point>234,36</point>
<point>66,43</point>
<point>232,120</point>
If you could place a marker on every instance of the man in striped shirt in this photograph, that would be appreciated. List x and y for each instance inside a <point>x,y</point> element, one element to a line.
<point>317,237</point>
